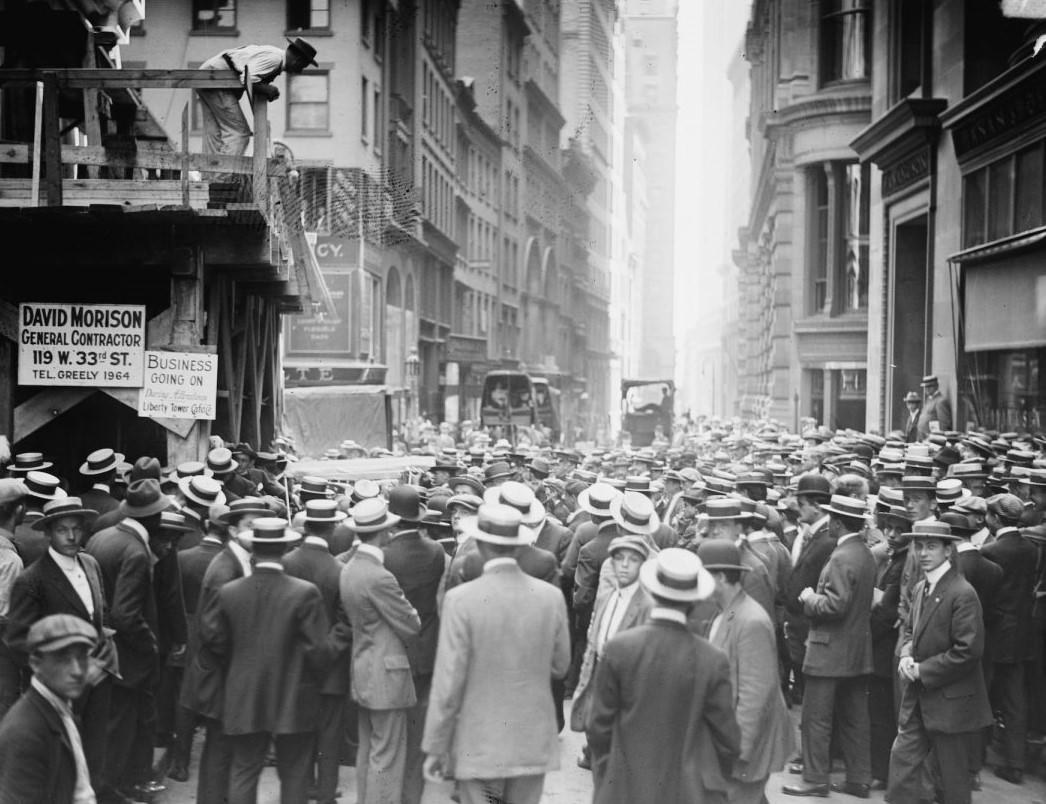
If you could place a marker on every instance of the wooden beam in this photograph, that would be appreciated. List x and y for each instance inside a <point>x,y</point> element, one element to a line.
<point>52,146</point>
<point>129,397</point>
<point>8,321</point>
<point>105,78</point>
<point>260,107</point>
<point>45,407</point>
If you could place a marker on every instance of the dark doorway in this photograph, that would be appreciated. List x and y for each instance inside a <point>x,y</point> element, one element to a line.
<point>908,309</point>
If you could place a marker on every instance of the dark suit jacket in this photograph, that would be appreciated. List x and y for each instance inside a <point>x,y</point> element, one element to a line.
<point>193,564</point>
<point>127,574</point>
<point>662,725</point>
<point>418,563</point>
<point>584,533</point>
<point>534,561</point>
<point>839,644</point>
<point>946,637</point>
<point>43,589</point>
<point>31,544</point>
<point>203,683</point>
<point>36,759</point>
<point>590,561</point>
<point>555,538</point>
<point>171,627</point>
<point>106,520</point>
<point>1011,641</point>
<point>884,617</point>
<point>97,500</point>
<point>315,564</point>
<point>270,631</point>
<point>816,549</point>
<point>985,576</point>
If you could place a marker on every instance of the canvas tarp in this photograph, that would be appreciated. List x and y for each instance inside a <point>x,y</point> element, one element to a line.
<point>320,418</point>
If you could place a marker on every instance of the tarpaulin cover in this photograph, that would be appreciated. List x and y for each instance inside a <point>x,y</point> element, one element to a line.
<point>320,418</point>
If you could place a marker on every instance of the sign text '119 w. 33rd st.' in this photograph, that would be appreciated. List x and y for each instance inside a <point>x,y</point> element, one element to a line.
<point>97,345</point>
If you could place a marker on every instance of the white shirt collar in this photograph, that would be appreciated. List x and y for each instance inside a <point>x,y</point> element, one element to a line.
<point>68,563</point>
<point>500,561</point>
<point>242,555</point>
<point>138,528</point>
<point>212,540</point>
<point>930,518</point>
<point>49,695</point>
<point>934,575</point>
<point>273,565</point>
<point>965,547</point>
<point>847,538</point>
<point>317,541</point>
<point>373,551</point>
<point>101,487</point>
<point>816,524</point>
<point>670,615</point>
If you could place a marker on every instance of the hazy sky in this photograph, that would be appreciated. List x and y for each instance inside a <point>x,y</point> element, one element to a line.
<point>710,32</point>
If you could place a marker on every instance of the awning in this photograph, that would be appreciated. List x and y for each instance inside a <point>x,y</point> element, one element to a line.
<point>1005,302</point>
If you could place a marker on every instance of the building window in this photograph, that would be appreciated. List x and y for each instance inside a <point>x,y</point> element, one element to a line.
<point>845,40</point>
<point>378,117</point>
<point>855,263</point>
<point>819,238</point>
<point>305,15</point>
<point>1004,197</point>
<point>308,101</point>
<point>214,15</point>
<point>364,101</point>
<point>365,18</point>
<point>911,18</point>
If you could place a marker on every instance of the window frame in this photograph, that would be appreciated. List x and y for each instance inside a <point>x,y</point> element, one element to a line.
<point>819,48</point>
<point>322,70</point>
<point>311,29</point>
<point>196,28</point>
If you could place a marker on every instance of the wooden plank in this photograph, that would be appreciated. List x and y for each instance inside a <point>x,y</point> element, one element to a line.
<point>8,321</point>
<point>45,407</point>
<point>38,138</point>
<point>145,159</point>
<point>185,155</point>
<point>260,107</point>
<point>104,78</point>
<point>92,120</point>
<point>52,146</point>
<point>14,153</point>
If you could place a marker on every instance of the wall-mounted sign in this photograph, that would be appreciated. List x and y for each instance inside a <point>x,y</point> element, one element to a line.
<point>97,345</point>
<point>179,385</point>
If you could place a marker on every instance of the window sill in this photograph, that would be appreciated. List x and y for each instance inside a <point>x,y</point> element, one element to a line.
<point>219,32</point>
<point>307,132</point>
<point>309,32</point>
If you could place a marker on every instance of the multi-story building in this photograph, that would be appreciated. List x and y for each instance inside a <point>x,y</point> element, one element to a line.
<point>651,42</point>
<point>804,255</point>
<point>957,221</point>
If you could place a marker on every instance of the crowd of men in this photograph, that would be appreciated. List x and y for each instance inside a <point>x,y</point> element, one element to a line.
<point>431,628</point>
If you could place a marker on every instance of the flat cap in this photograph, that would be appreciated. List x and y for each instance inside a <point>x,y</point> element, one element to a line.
<point>1007,506</point>
<point>58,631</point>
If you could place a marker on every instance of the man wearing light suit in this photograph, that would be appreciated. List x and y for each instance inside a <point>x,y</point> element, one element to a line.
<point>839,658</point>
<point>744,632</point>
<point>382,620</point>
<point>943,699</point>
<point>491,720</point>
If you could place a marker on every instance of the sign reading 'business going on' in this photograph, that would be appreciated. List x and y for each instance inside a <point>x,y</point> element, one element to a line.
<point>179,385</point>
<point>95,345</point>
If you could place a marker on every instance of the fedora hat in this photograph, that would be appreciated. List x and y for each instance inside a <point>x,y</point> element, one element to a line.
<point>539,467</point>
<point>145,467</point>
<point>846,506</point>
<point>66,506</point>
<point>406,503</point>
<point>44,486</point>
<point>596,499</point>
<point>496,471</point>
<point>311,484</point>
<point>519,496</point>
<point>958,522</point>
<point>933,530</point>
<point>446,463</point>
<point>722,508</point>
<point>629,542</point>
<point>243,507</point>
<point>205,491</point>
<point>270,530</point>
<point>323,512</point>
<point>634,512</point>
<point>678,575</point>
<point>101,461</point>
<point>370,516</point>
<point>221,462</point>
<point>28,462</point>
<point>495,523</point>
<point>144,498</point>
<point>719,554</point>
<point>177,522</point>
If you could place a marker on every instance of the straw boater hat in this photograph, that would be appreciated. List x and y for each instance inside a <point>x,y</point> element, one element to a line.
<point>205,491</point>
<point>311,484</point>
<point>44,486</point>
<point>596,499</point>
<point>933,530</point>
<point>243,507</point>
<point>144,498</point>
<point>720,554</point>
<point>846,506</point>
<point>496,524</point>
<point>270,530</point>
<point>101,461</point>
<point>176,522</point>
<point>25,462</point>
<point>923,483</point>
<point>67,506</point>
<point>722,508</point>
<point>678,575</point>
<point>519,496</point>
<point>221,462</point>
<point>370,516</point>
<point>323,512</point>
<point>634,513</point>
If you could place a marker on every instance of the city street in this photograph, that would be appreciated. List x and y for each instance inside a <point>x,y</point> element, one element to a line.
<point>572,785</point>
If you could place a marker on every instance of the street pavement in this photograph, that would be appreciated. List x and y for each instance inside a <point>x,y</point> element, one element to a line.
<point>572,785</point>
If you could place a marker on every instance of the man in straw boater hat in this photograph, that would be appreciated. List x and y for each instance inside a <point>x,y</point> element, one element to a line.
<point>943,698</point>
<point>745,633</point>
<point>203,686</point>
<point>662,723</point>
<point>382,685</point>
<point>40,488</point>
<point>838,658</point>
<point>12,508</point>
<point>491,722</point>
<point>99,469</point>
<point>67,581</point>
<point>418,564</point>
<point>270,632</point>
<point>41,750</point>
